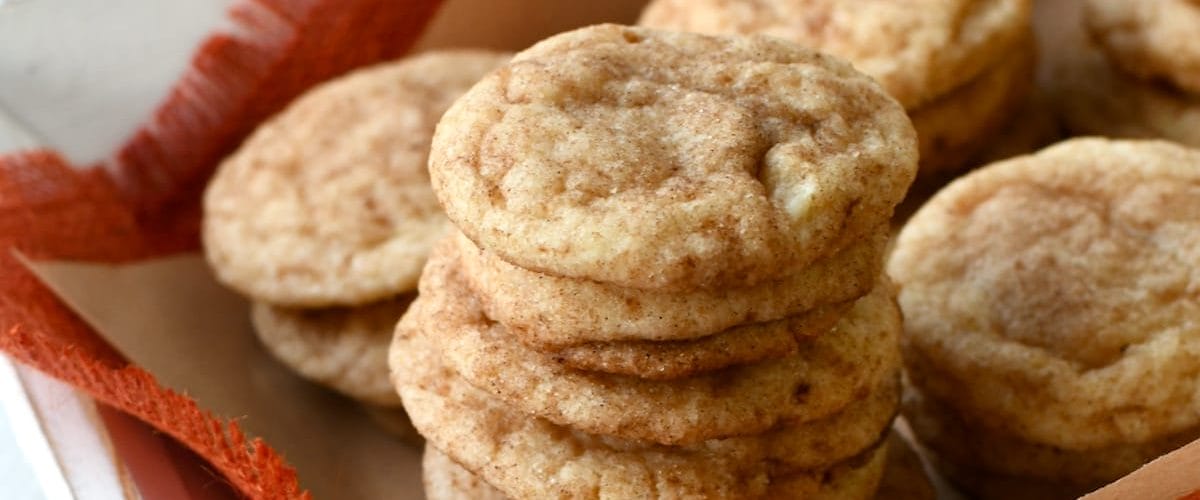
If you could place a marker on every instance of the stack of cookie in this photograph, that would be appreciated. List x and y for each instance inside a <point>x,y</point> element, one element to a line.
<point>665,282</point>
<point>1130,69</point>
<point>962,68</point>
<point>325,215</point>
<point>1051,317</point>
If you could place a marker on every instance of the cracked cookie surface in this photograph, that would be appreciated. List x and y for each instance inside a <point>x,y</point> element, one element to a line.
<point>328,203</point>
<point>1053,296</point>
<point>671,161</point>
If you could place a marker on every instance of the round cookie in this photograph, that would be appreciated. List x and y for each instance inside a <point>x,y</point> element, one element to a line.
<point>671,161</point>
<point>956,442</point>
<point>1153,39</point>
<point>553,313</point>
<point>328,203</point>
<point>344,349</point>
<point>446,480</point>
<point>917,52</point>
<point>825,374</point>
<point>529,457</point>
<point>1048,296</point>
<point>954,127</point>
<point>1094,98</point>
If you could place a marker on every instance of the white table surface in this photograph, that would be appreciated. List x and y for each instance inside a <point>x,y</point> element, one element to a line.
<point>16,475</point>
<point>80,75</point>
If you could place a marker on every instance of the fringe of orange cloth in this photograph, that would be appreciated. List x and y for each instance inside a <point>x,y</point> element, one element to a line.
<point>144,203</point>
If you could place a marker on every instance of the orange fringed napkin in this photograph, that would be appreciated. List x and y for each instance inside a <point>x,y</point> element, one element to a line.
<point>144,203</point>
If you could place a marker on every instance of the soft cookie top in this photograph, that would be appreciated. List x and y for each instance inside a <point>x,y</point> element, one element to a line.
<point>916,49</point>
<point>1062,288</point>
<point>329,203</point>
<point>1154,39</point>
<point>662,160</point>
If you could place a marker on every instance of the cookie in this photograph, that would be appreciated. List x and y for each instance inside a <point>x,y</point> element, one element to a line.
<point>954,127</point>
<point>955,440</point>
<point>1095,98</point>
<point>821,378</point>
<point>671,161</point>
<point>1153,39</point>
<point>446,480</point>
<point>344,349</point>
<point>328,203</point>
<point>917,52</point>
<point>1048,296</point>
<point>529,457</point>
<point>553,313</point>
